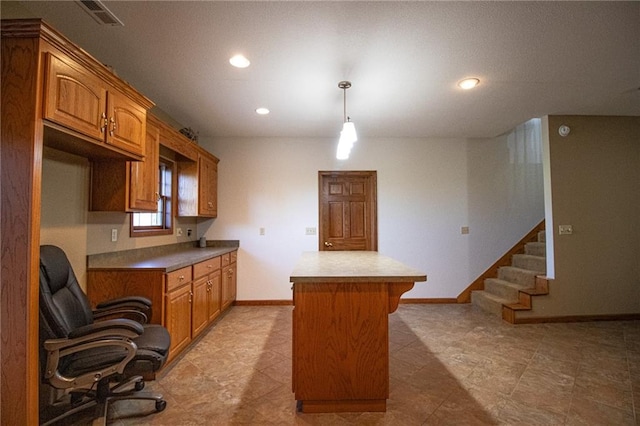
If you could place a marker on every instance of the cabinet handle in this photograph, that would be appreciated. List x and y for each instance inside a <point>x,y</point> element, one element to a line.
<point>210,204</point>
<point>157,197</point>
<point>103,117</point>
<point>181,278</point>
<point>328,244</point>
<point>209,266</point>
<point>113,126</point>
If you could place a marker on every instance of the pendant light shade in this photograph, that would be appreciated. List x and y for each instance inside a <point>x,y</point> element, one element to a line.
<point>348,135</point>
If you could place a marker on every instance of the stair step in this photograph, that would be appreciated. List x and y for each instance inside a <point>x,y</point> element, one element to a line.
<point>518,307</point>
<point>522,277</point>
<point>536,249</point>
<point>530,262</point>
<point>503,289</point>
<point>488,302</point>
<point>542,236</point>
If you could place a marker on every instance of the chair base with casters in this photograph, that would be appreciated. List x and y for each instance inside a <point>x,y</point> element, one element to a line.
<point>99,400</point>
<point>90,358</point>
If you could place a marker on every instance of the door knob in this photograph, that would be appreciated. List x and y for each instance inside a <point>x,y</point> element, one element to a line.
<point>328,244</point>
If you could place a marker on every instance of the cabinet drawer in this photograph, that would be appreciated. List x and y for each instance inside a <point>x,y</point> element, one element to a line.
<point>234,256</point>
<point>178,277</point>
<point>206,267</point>
<point>225,259</point>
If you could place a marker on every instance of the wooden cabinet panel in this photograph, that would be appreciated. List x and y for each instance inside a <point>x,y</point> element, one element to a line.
<point>207,186</point>
<point>200,306</point>
<point>215,306</point>
<point>126,123</point>
<point>79,100</point>
<point>143,175</point>
<point>178,318</point>
<point>178,277</point>
<point>229,282</point>
<point>206,267</point>
<point>198,187</point>
<point>130,186</point>
<point>340,338</point>
<point>74,98</point>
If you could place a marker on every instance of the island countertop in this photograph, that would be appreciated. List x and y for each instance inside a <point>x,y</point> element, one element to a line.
<point>352,266</point>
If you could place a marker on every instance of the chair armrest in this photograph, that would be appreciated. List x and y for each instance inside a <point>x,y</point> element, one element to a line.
<point>128,301</point>
<point>107,334</point>
<point>134,307</point>
<point>117,326</point>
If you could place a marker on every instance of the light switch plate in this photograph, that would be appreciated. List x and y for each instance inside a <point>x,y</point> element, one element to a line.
<point>565,229</point>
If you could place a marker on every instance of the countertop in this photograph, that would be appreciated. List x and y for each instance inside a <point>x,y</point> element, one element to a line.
<point>160,258</point>
<point>352,266</point>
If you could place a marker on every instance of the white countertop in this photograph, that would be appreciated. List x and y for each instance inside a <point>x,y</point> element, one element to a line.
<point>352,266</point>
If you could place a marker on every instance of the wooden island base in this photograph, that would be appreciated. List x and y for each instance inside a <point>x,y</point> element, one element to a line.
<point>355,406</point>
<point>341,329</point>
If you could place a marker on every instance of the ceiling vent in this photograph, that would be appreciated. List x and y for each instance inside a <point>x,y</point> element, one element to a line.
<point>99,12</point>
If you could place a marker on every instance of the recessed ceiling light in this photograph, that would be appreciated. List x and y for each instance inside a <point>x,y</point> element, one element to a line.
<point>239,61</point>
<point>468,83</point>
<point>262,111</point>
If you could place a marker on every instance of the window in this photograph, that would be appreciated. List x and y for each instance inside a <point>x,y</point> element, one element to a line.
<point>160,222</point>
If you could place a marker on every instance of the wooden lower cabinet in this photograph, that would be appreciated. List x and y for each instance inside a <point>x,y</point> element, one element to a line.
<point>186,301</point>
<point>229,279</point>
<point>178,318</point>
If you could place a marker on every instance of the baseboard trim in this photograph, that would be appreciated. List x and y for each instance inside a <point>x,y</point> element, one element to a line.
<point>290,302</point>
<point>262,302</point>
<point>577,318</point>
<point>428,301</point>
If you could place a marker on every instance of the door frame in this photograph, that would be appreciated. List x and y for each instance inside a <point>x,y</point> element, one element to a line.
<point>372,203</point>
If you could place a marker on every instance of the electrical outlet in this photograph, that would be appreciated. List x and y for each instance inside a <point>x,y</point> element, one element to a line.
<point>464,230</point>
<point>262,231</point>
<point>114,235</point>
<point>179,232</point>
<point>310,231</point>
<point>188,232</point>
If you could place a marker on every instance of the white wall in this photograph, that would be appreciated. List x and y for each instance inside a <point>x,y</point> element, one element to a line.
<point>273,183</point>
<point>506,192</point>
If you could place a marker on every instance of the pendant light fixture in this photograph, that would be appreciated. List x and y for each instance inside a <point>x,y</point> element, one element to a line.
<point>348,134</point>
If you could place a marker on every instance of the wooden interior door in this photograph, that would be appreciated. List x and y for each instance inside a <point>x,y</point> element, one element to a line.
<point>348,210</point>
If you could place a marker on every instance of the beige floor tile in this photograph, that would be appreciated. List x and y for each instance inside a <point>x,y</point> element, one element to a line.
<point>449,365</point>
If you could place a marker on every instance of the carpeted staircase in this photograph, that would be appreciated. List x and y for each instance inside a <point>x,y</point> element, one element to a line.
<point>511,291</point>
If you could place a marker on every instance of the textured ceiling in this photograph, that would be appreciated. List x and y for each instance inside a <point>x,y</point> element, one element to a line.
<point>403,59</point>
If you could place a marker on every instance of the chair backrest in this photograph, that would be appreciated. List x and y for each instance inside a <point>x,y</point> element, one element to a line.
<point>63,305</point>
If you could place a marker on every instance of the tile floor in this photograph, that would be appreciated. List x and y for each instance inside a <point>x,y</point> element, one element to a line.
<point>449,364</point>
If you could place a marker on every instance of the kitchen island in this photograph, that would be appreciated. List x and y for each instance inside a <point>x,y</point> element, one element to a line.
<point>342,300</point>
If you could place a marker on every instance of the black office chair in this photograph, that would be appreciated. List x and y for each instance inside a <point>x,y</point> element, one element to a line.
<point>90,358</point>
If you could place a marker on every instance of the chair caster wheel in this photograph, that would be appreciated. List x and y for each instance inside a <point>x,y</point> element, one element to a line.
<point>161,405</point>
<point>139,385</point>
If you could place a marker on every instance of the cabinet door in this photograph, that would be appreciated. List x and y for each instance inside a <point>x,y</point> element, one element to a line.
<point>178,320</point>
<point>214,295</point>
<point>208,187</point>
<point>200,306</point>
<point>143,175</point>
<point>126,123</point>
<point>74,98</point>
<point>228,285</point>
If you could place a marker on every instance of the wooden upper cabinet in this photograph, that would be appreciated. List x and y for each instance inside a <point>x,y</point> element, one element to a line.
<point>127,122</point>
<point>207,186</point>
<point>79,100</point>
<point>198,186</point>
<point>130,186</point>
<point>143,175</point>
<point>74,98</point>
